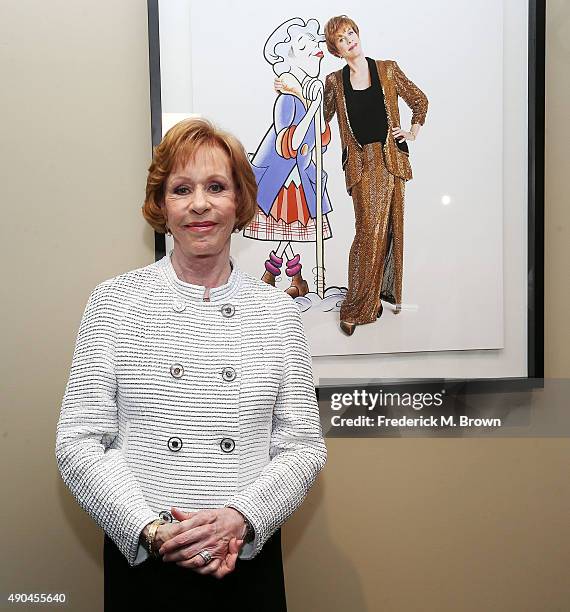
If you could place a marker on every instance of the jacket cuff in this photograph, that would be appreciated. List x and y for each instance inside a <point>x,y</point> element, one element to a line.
<point>284,142</point>
<point>142,555</point>
<point>129,544</point>
<point>249,549</point>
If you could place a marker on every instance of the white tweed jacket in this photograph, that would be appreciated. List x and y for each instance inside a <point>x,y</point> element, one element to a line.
<point>177,401</point>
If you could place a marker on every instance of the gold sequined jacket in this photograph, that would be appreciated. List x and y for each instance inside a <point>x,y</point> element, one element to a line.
<point>394,83</point>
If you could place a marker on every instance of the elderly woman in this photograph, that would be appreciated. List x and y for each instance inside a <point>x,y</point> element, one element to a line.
<point>364,96</point>
<point>189,429</point>
<point>284,164</point>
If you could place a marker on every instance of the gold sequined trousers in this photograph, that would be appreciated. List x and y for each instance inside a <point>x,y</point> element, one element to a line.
<point>375,262</point>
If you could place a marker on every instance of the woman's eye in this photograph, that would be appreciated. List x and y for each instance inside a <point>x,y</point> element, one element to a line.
<point>216,188</point>
<point>181,190</point>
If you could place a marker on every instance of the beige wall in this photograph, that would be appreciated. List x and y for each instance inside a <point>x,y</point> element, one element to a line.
<point>393,525</point>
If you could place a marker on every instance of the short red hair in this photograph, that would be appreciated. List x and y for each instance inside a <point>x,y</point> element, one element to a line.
<point>332,28</point>
<point>178,146</point>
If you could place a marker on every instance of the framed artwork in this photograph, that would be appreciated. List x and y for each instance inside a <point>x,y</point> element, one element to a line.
<point>452,218</point>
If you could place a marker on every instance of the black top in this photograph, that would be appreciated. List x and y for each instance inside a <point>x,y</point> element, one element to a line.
<point>365,107</point>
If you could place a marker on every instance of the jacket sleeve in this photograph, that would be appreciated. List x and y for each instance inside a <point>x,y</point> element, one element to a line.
<point>330,98</point>
<point>412,95</point>
<point>297,449</point>
<point>95,472</point>
<point>283,118</point>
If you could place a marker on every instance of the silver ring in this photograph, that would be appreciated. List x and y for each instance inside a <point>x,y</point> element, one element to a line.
<point>206,555</point>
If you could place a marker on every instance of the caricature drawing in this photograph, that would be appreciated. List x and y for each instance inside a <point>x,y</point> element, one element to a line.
<point>285,163</point>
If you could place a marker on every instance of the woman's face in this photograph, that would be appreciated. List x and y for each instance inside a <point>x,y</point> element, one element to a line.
<point>348,43</point>
<point>306,53</point>
<point>200,203</point>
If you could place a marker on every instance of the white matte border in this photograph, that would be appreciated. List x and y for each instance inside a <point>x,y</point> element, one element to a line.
<point>512,360</point>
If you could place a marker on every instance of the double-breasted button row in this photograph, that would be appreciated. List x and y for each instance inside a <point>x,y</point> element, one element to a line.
<point>227,310</point>
<point>175,444</point>
<point>177,371</point>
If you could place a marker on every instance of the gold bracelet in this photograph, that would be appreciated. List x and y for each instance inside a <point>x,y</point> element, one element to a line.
<point>151,535</point>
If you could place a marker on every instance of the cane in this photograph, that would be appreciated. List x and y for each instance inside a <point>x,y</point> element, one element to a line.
<point>320,254</point>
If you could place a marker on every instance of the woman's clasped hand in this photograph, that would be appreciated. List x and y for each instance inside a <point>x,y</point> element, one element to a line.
<point>219,532</point>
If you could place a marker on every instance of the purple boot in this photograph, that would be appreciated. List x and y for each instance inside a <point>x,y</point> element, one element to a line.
<point>272,268</point>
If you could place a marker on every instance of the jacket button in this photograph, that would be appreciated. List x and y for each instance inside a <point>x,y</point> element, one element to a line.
<point>228,310</point>
<point>165,516</point>
<point>178,306</point>
<point>228,374</point>
<point>227,445</point>
<point>177,370</point>
<point>175,444</point>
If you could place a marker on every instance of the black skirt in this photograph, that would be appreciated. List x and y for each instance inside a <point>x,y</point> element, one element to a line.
<point>257,584</point>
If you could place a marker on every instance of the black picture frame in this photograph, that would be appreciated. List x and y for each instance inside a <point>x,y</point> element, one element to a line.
<point>535,263</point>
<point>536,123</point>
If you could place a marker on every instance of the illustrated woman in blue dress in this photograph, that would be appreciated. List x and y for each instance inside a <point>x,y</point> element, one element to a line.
<point>284,163</point>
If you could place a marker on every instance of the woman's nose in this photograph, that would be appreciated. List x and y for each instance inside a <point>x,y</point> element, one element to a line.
<point>199,201</point>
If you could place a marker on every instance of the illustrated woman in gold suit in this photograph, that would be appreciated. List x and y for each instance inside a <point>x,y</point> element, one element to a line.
<point>364,96</point>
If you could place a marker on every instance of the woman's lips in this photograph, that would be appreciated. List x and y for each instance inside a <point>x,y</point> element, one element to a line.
<point>202,226</point>
<point>320,54</point>
<point>352,47</point>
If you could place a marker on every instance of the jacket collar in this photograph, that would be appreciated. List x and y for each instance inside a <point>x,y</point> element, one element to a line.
<point>187,291</point>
